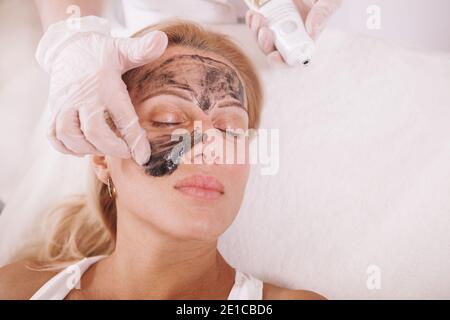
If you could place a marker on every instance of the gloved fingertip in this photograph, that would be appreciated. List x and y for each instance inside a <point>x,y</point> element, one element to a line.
<point>265,40</point>
<point>275,59</point>
<point>143,50</point>
<point>248,17</point>
<point>256,23</point>
<point>158,36</point>
<point>58,145</point>
<point>315,29</point>
<point>319,15</point>
<point>156,42</point>
<point>141,154</point>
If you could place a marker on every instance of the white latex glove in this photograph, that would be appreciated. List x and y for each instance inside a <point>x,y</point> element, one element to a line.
<point>315,14</point>
<point>86,66</point>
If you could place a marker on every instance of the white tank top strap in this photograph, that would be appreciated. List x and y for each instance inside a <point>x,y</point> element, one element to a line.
<point>246,287</point>
<point>58,287</point>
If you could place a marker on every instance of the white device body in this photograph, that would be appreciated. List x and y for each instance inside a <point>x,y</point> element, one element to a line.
<point>291,39</point>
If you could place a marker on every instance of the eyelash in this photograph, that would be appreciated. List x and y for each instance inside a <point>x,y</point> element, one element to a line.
<point>171,124</point>
<point>164,124</point>
<point>231,133</point>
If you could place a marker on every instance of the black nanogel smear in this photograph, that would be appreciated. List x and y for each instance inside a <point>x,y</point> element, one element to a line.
<point>205,80</point>
<point>167,151</point>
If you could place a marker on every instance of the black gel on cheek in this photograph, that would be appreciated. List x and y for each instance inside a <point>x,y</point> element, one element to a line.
<point>167,152</point>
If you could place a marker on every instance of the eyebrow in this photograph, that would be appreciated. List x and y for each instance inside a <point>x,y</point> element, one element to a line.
<point>180,94</point>
<point>168,92</point>
<point>230,104</point>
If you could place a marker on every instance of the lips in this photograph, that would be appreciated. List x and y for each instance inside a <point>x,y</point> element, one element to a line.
<point>201,187</point>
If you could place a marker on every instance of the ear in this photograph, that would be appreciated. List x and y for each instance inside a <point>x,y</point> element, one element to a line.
<point>100,166</point>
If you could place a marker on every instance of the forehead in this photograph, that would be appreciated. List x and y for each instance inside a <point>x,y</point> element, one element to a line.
<point>178,61</point>
<point>195,70</point>
<point>196,62</point>
<point>173,53</point>
<point>206,76</point>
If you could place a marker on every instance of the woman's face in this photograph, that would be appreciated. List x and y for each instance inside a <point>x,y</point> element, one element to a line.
<point>201,95</point>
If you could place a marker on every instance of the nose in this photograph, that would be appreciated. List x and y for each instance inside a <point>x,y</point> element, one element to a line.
<point>210,149</point>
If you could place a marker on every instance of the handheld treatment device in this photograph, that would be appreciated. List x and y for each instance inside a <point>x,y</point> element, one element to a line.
<point>291,39</point>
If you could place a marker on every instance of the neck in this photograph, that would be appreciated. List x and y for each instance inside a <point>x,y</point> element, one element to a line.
<point>150,264</point>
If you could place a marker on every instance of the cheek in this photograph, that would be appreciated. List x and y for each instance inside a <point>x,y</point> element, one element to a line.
<point>240,172</point>
<point>122,171</point>
<point>237,177</point>
<point>135,190</point>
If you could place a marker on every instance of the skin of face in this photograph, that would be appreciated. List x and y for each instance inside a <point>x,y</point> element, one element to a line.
<point>184,87</point>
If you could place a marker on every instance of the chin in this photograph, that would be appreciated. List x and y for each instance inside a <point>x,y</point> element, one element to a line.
<point>207,225</point>
<point>197,222</point>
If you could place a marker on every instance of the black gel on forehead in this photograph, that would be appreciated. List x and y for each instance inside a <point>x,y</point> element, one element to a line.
<point>205,80</point>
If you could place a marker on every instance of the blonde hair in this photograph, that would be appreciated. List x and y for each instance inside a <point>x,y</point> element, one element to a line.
<point>85,226</point>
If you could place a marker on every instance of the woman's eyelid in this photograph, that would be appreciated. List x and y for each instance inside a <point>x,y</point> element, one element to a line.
<point>168,115</point>
<point>169,118</point>
<point>231,122</point>
<point>230,113</point>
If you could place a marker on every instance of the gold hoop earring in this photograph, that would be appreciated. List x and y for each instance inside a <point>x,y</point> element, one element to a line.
<point>111,188</point>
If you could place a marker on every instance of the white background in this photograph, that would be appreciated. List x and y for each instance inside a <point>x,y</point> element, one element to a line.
<point>414,23</point>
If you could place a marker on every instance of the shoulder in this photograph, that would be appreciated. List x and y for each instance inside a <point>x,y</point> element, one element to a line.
<point>19,282</point>
<point>272,292</point>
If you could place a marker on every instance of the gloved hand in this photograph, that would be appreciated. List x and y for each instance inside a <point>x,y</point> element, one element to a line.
<point>86,66</point>
<point>315,14</point>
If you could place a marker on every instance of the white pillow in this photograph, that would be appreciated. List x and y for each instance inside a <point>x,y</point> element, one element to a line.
<point>364,182</point>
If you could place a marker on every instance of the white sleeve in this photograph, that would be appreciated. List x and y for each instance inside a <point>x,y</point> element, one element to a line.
<point>139,14</point>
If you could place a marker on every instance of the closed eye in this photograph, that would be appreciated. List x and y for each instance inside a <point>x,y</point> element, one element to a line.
<point>158,124</point>
<point>238,133</point>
